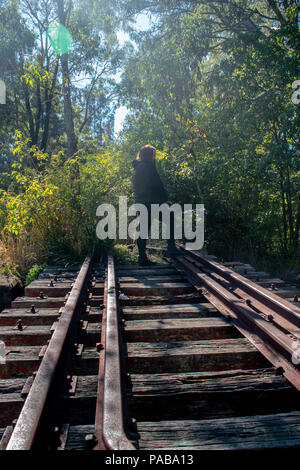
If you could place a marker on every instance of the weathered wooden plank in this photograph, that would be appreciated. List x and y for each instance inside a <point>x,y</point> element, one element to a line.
<point>249,432</point>
<point>60,269</point>
<point>206,382</point>
<point>58,277</point>
<point>80,408</point>
<point>136,267</point>
<point>77,437</point>
<point>189,356</point>
<point>233,263</point>
<point>163,300</point>
<point>157,288</point>
<point>179,329</point>
<point>168,278</point>
<point>196,307</point>
<point>29,336</point>
<point>93,335</point>
<point>11,386</point>
<point>145,272</point>
<point>95,300</point>
<point>87,364</point>
<point>5,435</point>
<point>22,302</point>
<point>255,274</point>
<point>77,409</point>
<point>211,394</point>
<point>269,282</point>
<point>98,289</point>
<point>86,386</point>
<point>286,292</point>
<point>21,361</point>
<point>244,269</point>
<point>42,317</point>
<point>169,311</point>
<point>58,290</point>
<point>10,408</point>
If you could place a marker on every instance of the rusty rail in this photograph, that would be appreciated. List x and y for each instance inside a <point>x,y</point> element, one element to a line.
<point>279,306</point>
<point>113,436</point>
<point>28,422</point>
<point>275,343</point>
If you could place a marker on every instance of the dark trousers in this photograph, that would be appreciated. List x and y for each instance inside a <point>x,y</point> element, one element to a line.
<point>141,243</point>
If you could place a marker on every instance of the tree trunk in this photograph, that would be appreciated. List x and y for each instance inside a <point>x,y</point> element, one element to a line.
<point>39,113</point>
<point>68,112</point>
<point>49,98</point>
<point>284,217</point>
<point>199,190</point>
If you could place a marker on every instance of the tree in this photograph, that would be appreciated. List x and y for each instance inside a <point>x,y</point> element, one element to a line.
<point>215,78</point>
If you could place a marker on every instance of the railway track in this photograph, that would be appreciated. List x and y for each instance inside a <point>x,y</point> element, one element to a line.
<point>189,355</point>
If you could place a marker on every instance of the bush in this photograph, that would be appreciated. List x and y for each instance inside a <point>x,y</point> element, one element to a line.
<point>48,211</point>
<point>123,255</point>
<point>34,272</point>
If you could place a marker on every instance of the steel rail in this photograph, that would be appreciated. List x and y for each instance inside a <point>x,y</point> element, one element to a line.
<point>98,432</point>
<point>269,299</point>
<point>114,435</point>
<point>275,345</point>
<point>264,309</point>
<point>29,419</point>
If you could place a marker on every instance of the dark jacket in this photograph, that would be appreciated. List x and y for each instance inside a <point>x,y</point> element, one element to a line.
<point>147,185</point>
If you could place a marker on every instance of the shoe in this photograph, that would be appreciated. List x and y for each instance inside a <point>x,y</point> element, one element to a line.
<point>172,251</point>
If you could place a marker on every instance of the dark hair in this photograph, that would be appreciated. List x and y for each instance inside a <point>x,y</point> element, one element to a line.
<point>146,154</point>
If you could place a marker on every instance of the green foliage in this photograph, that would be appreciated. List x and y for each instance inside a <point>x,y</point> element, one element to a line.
<point>34,272</point>
<point>218,105</point>
<point>46,214</point>
<point>209,85</point>
<point>123,255</point>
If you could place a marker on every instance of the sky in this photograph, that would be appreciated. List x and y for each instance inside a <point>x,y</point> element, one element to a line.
<point>142,24</point>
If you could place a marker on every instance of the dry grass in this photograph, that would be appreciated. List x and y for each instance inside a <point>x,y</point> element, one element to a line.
<point>18,254</point>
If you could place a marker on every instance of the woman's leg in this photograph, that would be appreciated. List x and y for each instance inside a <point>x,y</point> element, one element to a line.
<point>142,249</point>
<point>141,243</point>
<point>172,250</point>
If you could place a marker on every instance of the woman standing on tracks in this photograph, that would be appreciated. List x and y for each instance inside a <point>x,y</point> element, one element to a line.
<point>149,189</point>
